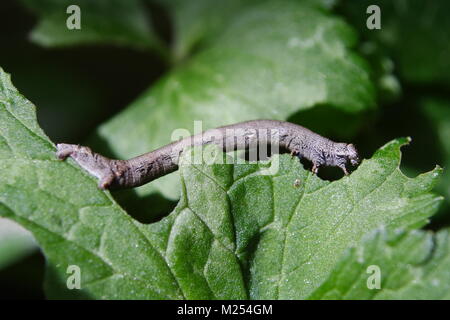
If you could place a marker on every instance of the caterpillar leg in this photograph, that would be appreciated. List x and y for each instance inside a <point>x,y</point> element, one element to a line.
<point>64,150</point>
<point>315,168</point>
<point>344,169</point>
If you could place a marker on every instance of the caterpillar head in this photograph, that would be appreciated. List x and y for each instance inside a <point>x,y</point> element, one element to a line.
<point>352,155</point>
<point>343,154</point>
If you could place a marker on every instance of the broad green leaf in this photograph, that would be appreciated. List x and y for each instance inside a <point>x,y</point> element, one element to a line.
<point>102,22</point>
<point>411,265</point>
<point>237,232</point>
<point>273,60</point>
<point>416,33</point>
<point>438,111</point>
<point>195,23</point>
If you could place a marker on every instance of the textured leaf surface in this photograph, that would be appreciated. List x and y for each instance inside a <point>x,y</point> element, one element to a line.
<point>412,265</point>
<point>272,60</point>
<point>236,232</point>
<point>102,21</point>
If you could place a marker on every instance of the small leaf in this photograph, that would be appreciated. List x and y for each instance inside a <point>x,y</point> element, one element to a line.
<point>411,265</point>
<point>102,22</point>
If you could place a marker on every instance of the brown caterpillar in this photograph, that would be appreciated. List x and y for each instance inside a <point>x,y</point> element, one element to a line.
<point>117,174</point>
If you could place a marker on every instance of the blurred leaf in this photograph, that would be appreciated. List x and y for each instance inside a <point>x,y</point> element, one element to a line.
<point>383,72</point>
<point>236,232</point>
<point>15,242</point>
<point>272,60</point>
<point>412,265</point>
<point>102,21</point>
<point>438,111</point>
<point>195,23</point>
<point>416,33</point>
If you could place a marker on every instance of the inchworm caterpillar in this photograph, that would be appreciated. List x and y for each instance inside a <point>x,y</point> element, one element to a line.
<point>117,174</point>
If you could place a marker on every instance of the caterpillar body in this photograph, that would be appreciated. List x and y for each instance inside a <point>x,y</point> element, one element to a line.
<point>300,141</point>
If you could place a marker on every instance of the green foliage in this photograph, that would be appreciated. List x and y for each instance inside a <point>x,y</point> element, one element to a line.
<point>196,23</point>
<point>104,21</point>
<point>438,111</point>
<point>413,265</point>
<point>236,232</point>
<point>266,230</point>
<point>414,32</point>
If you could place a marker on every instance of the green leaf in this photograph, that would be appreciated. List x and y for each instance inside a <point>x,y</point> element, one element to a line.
<point>69,216</point>
<point>102,22</point>
<point>195,23</point>
<point>414,32</point>
<point>255,69</point>
<point>237,232</point>
<point>411,265</point>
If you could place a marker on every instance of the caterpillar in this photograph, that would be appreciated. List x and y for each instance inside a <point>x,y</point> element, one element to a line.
<point>300,141</point>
